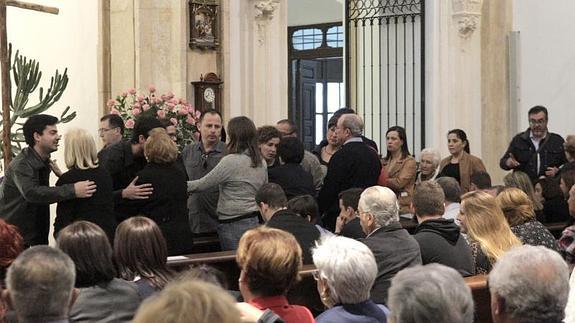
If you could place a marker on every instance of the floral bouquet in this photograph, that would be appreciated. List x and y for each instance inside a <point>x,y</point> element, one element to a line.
<point>130,105</point>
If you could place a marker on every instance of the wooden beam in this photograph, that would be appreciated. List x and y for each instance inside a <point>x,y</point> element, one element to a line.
<point>32,6</point>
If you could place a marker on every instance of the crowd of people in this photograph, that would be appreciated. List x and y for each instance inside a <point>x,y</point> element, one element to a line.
<point>342,207</point>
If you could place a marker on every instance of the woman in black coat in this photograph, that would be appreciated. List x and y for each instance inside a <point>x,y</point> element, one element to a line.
<point>82,161</point>
<point>167,205</point>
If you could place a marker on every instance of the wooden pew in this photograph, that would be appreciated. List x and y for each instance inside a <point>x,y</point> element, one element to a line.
<point>556,228</point>
<point>305,291</point>
<point>481,297</point>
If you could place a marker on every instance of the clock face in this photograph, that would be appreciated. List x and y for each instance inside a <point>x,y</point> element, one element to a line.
<point>209,95</point>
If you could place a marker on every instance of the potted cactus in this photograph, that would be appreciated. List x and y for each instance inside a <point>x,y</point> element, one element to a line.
<point>26,76</point>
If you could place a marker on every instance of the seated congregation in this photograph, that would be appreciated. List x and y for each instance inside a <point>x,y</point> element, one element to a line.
<point>340,234</point>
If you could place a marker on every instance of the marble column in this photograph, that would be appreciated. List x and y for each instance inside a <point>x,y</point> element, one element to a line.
<point>255,59</point>
<point>453,72</point>
<point>495,29</point>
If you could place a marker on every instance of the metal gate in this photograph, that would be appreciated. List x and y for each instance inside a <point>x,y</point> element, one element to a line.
<point>385,67</point>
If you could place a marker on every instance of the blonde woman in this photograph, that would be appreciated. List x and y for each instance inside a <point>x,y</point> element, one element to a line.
<point>521,180</point>
<point>167,205</point>
<point>487,229</point>
<point>81,159</point>
<point>518,210</point>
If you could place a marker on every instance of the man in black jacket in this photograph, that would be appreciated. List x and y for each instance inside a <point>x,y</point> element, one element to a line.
<point>535,151</point>
<point>355,164</point>
<point>124,160</point>
<point>440,240</point>
<point>272,203</point>
<point>25,192</point>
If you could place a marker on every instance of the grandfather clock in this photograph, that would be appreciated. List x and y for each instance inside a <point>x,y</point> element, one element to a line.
<point>207,93</point>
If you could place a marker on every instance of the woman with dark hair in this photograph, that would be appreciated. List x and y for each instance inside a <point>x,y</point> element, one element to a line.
<point>81,160</point>
<point>167,205</point>
<point>239,175</point>
<point>101,296</point>
<point>548,192</point>
<point>141,254</point>
<point>460,164</point>
<point>268,141</point>
<point>306,207</point>
<point>400,167</point>
<point>332,145</point>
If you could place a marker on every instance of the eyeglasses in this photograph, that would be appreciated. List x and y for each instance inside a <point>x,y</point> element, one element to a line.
<point>102,130</point>
<point>539,122</point>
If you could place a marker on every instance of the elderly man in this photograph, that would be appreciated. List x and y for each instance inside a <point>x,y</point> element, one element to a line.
<point>355,164</point>
<point>40,284</point>
<point>529,284</point>
<point>111,129</point>
<point>339,261</point>
<point>309,163</point>
<point>199,159</point>
<point>440,240</point>
<point>452,193</point>
<point>430,293</point>
<point>393,247</point>
<point>536,151</point>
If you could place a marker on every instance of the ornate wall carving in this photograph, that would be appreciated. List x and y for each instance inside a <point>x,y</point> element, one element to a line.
<point>467,14</point>
<point>264,12</point>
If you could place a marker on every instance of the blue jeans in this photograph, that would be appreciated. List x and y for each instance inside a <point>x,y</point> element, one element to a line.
<point>230,233</point>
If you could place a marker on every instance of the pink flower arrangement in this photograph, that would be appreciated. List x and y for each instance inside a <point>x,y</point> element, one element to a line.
<point>130,105</point>
<point>129,123</point>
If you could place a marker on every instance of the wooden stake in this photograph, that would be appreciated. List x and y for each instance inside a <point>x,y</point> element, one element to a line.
<point>5,79</point>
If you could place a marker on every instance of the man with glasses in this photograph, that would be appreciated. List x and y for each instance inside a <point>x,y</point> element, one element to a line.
<point>536,151</point>
<point>199,159</point>
<point>111,129</point>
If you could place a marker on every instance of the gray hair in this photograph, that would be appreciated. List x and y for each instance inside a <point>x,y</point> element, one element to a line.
<point>348,266</point>
<point>40,282</point>
<point>451,189</point>
<point>381,202</point>
<point>352,122</point>
<point>430,293</point>
<point>433,152</point>
<point>534,282</point>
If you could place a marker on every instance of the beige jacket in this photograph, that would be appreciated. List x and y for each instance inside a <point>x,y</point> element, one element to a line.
<point>468,165</point>
<point>401,179</point>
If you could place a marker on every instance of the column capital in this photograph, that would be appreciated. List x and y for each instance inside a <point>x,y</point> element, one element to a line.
<point>264,12</point>
<point>264,9</point>
<point>467,14</point>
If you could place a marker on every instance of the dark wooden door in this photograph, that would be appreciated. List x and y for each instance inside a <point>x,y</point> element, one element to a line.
<point>306,78</point>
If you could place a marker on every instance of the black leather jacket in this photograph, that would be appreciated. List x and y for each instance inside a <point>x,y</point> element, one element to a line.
<point>25,196</point>
<point>550,152</point>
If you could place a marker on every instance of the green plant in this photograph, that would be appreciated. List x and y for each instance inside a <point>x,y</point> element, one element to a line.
<point>26,76</point>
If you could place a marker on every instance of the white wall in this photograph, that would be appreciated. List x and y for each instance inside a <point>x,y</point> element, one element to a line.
<point>547,60</point>
<point>70,40</point>
<point>307,12</point>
